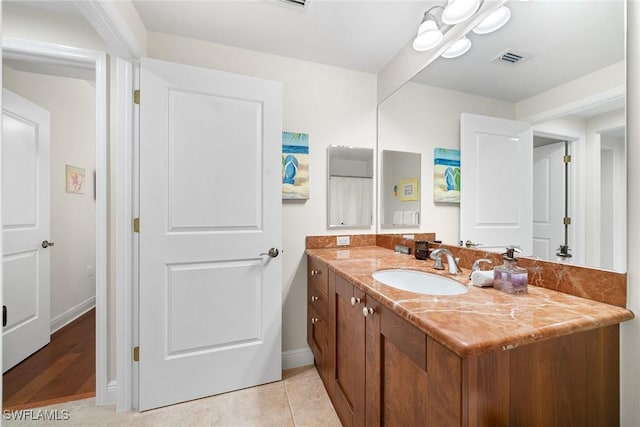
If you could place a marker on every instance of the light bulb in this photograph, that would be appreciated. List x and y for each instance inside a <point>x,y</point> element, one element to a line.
<point>429,35</point>
<point>494,21</point>
<point>458,11</point>
<point>460,47</point>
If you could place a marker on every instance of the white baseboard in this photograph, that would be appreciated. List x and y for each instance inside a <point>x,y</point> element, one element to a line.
<point>296,358</point>
<point>112,393</point>
<point>72,314</point>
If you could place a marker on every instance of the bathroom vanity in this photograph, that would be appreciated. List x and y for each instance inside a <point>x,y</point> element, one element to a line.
<point>483,358</point>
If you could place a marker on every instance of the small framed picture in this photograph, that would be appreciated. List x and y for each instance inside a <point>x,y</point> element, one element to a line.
<point>409,189</point>
<point>75,178</point>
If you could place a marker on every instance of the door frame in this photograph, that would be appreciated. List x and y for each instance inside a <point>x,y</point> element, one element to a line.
<point>31,51</point>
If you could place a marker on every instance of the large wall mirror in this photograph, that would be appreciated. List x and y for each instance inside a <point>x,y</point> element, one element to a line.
<point>349,187</point>
<point>568,88</point>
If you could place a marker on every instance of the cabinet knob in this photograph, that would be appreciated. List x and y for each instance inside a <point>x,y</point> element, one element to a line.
<point>315,273</point>
<point>368,311</point>
<point>314,298</point>
<point>314,320</point>
<point>355,301</point>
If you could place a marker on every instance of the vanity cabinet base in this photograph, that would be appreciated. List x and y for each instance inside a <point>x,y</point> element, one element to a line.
<point>567,381</point>
<point>381,370</point>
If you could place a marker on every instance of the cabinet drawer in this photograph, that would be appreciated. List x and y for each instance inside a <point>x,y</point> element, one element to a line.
<point>318,300</point>
<point>317,335</point>
<point>317,275</point>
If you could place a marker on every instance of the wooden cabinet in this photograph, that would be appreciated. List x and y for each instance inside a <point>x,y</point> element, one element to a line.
<point>318,327</point>
<point>380,370</point>
<point>347,381</point>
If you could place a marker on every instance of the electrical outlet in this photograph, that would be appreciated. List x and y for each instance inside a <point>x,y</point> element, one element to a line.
<point>409,236</point>
<point>343,240</point>
<point>90,271</point>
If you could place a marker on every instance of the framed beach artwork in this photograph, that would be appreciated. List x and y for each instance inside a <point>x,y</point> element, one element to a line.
<point>75,178</point>
<point>295,166</point>
<point>446,175</point>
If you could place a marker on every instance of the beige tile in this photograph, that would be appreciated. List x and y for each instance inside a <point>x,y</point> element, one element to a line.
<point>303,373</point>
<point>310,403</point>
<point>299,400</point>
<point>265,405</point>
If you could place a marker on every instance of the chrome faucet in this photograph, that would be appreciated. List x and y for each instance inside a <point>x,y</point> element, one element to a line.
<point>451,261</point>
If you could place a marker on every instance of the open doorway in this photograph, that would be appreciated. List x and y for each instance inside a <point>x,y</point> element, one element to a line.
<point>64,369</point>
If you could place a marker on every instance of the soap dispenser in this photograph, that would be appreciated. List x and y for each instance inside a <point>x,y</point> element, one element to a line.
<point>509,277</point>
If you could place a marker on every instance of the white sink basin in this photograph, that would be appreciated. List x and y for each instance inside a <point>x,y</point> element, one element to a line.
<point>419,282</point>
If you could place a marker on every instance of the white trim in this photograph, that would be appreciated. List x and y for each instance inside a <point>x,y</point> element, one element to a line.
<point>112,393</point>
<point>296,358</point>
<point>63,319</point>
<point>43,52</point>
<point>108,22</point>
<point>123,233</point>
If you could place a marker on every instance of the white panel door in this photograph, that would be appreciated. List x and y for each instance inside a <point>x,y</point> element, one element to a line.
<point>496,182</point>
<point>548,200</point>
<point>25,225</point>
<point>210,210</point>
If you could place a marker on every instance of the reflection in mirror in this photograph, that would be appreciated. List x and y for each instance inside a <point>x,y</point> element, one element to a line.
<point>400,189</point>
<point>569,88</point>
<point>350,187</point>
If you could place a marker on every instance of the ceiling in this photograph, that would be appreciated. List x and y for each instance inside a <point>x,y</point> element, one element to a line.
<point>365,35</point>
<point>565,40</point>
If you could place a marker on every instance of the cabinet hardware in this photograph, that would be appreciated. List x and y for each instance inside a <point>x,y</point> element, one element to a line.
<point>355,301</point>
<point>368,311</point>
<point>314,298</point>
<point>314,320</point>
<point>315,273</point>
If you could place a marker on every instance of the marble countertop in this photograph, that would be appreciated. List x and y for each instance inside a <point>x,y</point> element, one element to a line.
<point>480,321</point>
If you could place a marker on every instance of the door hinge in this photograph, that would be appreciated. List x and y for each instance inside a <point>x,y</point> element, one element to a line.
<point>567,220</point>
<point>136,225</point>
<point>136,96</point>
<point>136,354</point>
<point>567,159</point>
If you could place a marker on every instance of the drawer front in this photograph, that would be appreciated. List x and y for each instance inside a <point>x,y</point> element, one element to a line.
<point>318,300</point>
<point>317,275</point>
<point>317,335</point>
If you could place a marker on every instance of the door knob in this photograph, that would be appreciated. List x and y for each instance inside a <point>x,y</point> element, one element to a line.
<point>46,244</point>
<point>273,252</point>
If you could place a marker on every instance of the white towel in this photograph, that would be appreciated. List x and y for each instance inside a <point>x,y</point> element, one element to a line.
<point>482,278</point>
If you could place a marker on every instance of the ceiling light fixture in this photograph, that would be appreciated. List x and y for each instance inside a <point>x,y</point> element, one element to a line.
<point>429,32</point>
<point>437,20</point>
<point>458,11</point>
<point>494,21</point>
<point>459,48</point>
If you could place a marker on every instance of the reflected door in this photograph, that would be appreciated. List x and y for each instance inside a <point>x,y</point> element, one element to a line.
<point>496,182</point>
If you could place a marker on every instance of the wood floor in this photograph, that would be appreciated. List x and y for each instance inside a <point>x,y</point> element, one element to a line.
<point>63,370</point>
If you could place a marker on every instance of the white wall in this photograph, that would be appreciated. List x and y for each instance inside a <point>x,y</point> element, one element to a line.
<point>71,103</point>
<point>334,106</point>
<point>606,80</point>
<point>418,118</point>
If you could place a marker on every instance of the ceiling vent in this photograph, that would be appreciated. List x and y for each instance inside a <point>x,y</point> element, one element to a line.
<point>511,57</point>
<point>299,3</point>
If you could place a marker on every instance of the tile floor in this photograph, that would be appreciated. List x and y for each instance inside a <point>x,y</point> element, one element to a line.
<point>298,400</point>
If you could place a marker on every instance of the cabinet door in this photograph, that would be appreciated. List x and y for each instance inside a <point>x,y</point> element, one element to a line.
<point>348,373</point>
